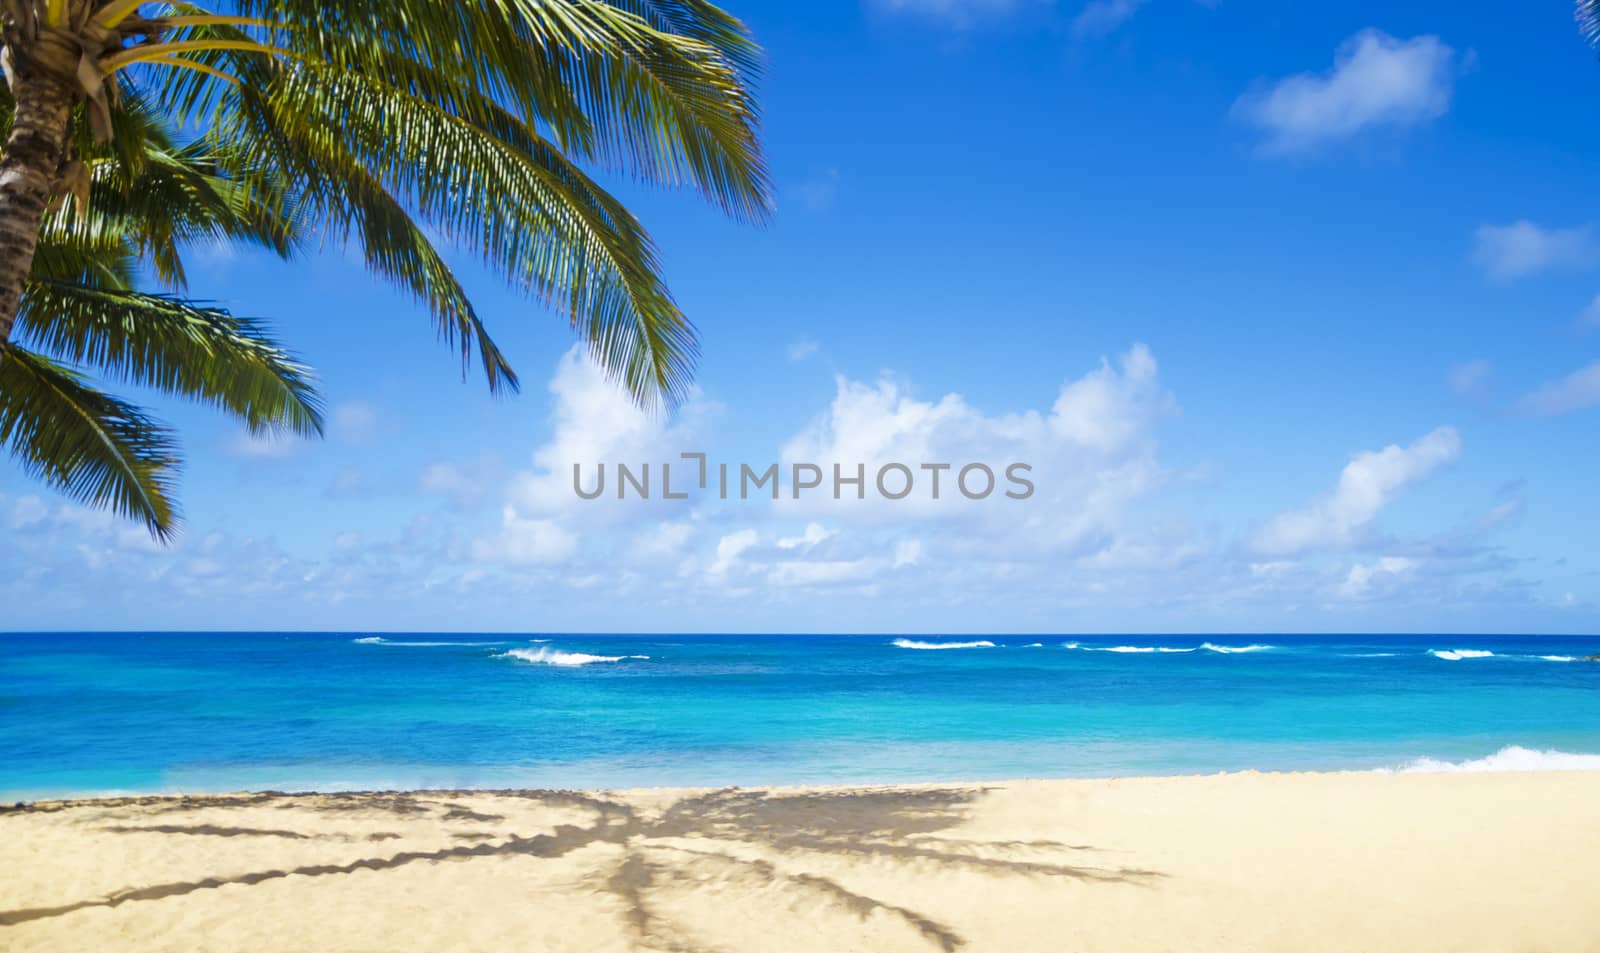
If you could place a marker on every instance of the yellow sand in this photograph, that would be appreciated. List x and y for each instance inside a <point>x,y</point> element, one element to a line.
<point>1299,863</point>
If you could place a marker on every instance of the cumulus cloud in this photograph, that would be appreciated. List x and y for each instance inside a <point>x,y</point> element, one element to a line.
<point>1524,248</point>
<point>1368,483</point>
<point>523,541</point>
<point>1092,539</point>
<point>730,548</point>
<point>663,541</point>
<point>1088,454</point>
<point>1579,390</point>
<point>594,422</point>
<point>1376,81</point>
<point>1363,577</point>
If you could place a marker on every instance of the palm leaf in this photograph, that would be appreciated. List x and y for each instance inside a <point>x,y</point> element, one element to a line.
<point>174,346</point>
<point>95,448</point>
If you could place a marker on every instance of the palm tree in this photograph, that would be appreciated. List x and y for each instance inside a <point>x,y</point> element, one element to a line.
<point>80,309</point>
<point>384,124</point>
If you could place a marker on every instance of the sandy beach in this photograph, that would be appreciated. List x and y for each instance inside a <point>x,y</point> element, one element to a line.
<point>1491,862</point>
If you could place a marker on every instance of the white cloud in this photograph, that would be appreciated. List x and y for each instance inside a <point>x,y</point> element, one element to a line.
<point>1471,380</point>
<point>822,572</point>
<point>730,548</point>
<point>840,572</point>
<point>1102,17</point>
<point>814,534</point>
<point>1363,576</point>
<point>1368,483</point>
<point>1524,248</point>
<point>1092,544</point>
<point>523,541</point>
<point>663,541</point>
<point>1090,454</point>
<point>27,511</point>
<point>802,349</point>
<point>594,422</point>
<point>1376,80</point>
<point>1577,391</point>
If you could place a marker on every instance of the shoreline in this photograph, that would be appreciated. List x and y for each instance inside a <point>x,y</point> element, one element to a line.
<point>1507,759</point>
<point>1332,861</point>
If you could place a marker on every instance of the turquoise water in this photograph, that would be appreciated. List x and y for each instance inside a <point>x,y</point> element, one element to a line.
<point>88,713</point>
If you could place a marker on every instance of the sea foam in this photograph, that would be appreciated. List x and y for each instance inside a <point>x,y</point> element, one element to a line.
<point>1510,758</point>
<point>549,656</point>
<point>379,640</point>
<point>913,644</point>
<point>1456,655</point>
<point>1169,649</point>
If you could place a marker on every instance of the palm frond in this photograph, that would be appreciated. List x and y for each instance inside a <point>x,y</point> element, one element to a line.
<point>662,89</point>
<point>95,448</point>
<point>397,249</point>
<point>497,188</point>
<point>176,347</point>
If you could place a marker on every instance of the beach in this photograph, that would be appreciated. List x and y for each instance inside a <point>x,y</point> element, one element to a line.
<point>1353,861</point>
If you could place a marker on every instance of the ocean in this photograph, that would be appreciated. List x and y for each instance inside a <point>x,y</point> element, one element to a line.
<point>96,713</point>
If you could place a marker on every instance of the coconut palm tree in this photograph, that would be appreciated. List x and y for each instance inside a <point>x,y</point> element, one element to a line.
<point>80,310</point>
<point>388,125</point>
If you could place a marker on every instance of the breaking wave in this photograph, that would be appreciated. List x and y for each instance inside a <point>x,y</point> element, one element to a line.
<point>913,644</point>
<point>1510,758</point>
<point>1168,649</point>
<point>1456,655</point>
<point>549,656</point>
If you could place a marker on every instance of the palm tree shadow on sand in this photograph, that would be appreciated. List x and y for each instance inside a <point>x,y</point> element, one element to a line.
<point>690,840</point>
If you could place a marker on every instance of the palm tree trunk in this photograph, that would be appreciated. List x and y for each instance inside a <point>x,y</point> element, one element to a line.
<point>45,88</point>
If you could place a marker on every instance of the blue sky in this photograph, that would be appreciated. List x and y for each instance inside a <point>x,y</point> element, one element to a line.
<point>1292,307</point>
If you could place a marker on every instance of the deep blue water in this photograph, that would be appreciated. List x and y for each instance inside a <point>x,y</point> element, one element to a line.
<point>82,713</point>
